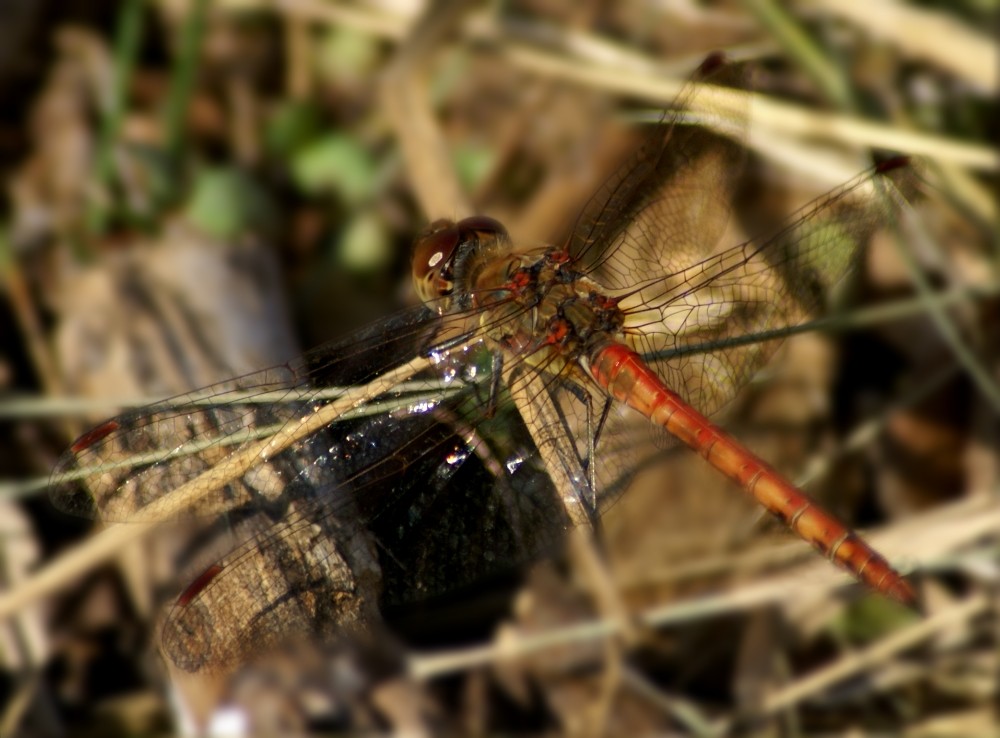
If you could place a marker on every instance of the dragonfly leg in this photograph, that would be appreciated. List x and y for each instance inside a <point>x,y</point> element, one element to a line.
<point>588,463</point>
<point>587,400</point>
<point>605,412</point>
<point>594,438</point>
<point>543,405</point>
<point>495,383</point>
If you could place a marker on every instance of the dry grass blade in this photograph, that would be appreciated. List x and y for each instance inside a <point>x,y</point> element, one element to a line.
<point>406,99</point>
<point>18,704</point>
<point>779,117</point>
<point>924,34</point>
<point>637,79</point>
<point>366,20</point>
<point>970,722</point>
<point>855,663</point>
<point>929,536</point>
<point>107,543</point>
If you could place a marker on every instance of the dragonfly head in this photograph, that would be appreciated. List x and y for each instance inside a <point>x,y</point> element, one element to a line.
<point>442,248</point>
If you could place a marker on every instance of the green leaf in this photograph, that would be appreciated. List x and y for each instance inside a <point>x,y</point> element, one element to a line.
<point>225,202</point>
<point>339,163</point>
<point>472,163</point>
<point>347,55</point>
<point>365,243</point>
<point>870,618</point>
<point>290,127</point>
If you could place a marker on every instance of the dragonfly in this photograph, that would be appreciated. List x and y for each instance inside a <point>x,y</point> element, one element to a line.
<point>442,427</point>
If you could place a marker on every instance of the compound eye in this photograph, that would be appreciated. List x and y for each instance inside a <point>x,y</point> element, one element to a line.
<point>433,253</point>
<point>483,227</point>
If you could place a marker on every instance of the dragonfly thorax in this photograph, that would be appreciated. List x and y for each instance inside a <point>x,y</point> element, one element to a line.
<point>549,313</point>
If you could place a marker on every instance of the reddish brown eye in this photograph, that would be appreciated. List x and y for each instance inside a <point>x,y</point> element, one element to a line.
<point>481,225</point>
<point>433,252</point>
<point>439,250</point>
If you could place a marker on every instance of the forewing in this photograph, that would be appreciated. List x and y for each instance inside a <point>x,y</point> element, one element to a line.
<point>670,203</point>
<point>421,488</point>
<point>117,471</point>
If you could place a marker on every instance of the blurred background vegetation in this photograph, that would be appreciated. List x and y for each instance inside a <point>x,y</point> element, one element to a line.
<point>198,189</point>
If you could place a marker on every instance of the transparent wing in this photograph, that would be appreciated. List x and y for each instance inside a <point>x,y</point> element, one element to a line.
<point>705,315</point>
<point>669,205</point>
<point>708,328</point>
<point>420,507</point>
<point>421,488</point>
<point>116,471</point>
